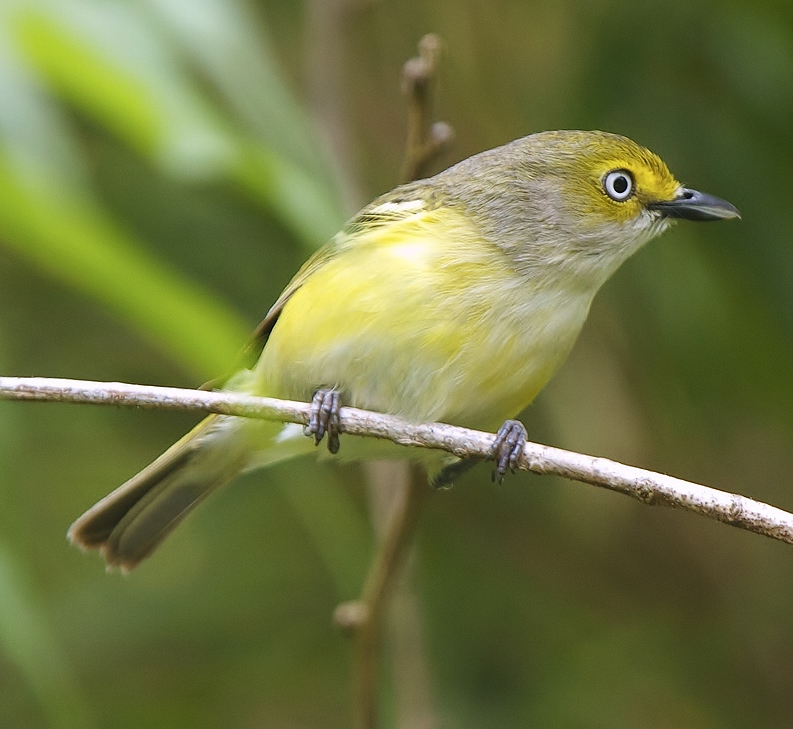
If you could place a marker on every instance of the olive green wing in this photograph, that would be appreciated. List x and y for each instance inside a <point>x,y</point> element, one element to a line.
<point>393,208</point>
<point>260,335</point>
<point>253,347</point>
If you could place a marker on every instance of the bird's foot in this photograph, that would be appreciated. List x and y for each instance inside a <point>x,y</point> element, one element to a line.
<point>508,448</point>
<point>325,418</point>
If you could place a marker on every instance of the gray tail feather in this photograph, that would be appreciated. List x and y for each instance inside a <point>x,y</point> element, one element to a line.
<point>131,522</point>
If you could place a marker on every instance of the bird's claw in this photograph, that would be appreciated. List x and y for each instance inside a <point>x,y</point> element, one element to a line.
<point>508,448</point>
<point>325,418</point>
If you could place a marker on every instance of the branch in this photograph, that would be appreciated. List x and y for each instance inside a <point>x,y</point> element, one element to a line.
<point>648,487</point>
<point>424,141</point>
<point>365,618</point>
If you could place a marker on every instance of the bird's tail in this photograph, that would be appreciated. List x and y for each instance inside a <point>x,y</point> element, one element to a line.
<point>128,524</point>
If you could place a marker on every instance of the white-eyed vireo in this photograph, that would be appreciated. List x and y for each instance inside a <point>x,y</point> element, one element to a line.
<point>450,299</point>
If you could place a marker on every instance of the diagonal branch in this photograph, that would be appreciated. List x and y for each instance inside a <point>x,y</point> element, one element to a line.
<point>647,486</point>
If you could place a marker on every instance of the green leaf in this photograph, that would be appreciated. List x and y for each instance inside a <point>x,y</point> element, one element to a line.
<point>109,61</point>
<point>28,642</point>
<point>76,242</point>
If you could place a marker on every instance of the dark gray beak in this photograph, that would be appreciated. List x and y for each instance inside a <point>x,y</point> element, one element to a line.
<point>694,205</point>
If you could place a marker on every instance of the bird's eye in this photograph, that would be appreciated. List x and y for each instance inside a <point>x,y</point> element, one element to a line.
<point>618,185</point>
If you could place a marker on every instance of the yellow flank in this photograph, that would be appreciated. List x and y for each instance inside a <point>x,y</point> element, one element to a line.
<point>421,318</point>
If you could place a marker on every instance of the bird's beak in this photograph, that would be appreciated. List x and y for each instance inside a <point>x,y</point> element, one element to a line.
<point>694,205</point>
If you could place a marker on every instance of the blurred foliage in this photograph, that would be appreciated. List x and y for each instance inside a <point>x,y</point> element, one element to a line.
<point>166,165</point>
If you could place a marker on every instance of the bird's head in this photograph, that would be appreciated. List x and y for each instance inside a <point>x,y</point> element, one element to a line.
<point>614,180</point>
<point>579,201</point>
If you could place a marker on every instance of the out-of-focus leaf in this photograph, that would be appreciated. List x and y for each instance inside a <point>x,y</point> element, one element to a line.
<point>77,243</point>
<point>109,61</point>
<point>27,641</point>
<point>287,166</point>
<point>302,204</point>
<point>231,46</point>
<point>34,135</point>
<point>103,58</point>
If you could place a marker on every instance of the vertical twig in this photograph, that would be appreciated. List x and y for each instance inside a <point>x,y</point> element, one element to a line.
<point>425,141</point>
<point>365,617</point>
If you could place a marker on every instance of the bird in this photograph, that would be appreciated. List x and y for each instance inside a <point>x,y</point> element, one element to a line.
<point>449,299</point>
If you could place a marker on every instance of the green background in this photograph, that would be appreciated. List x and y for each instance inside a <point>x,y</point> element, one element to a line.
<point>166,165</point>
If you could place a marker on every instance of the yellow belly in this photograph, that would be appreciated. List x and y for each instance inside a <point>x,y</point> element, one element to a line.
<point>432,332</point>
